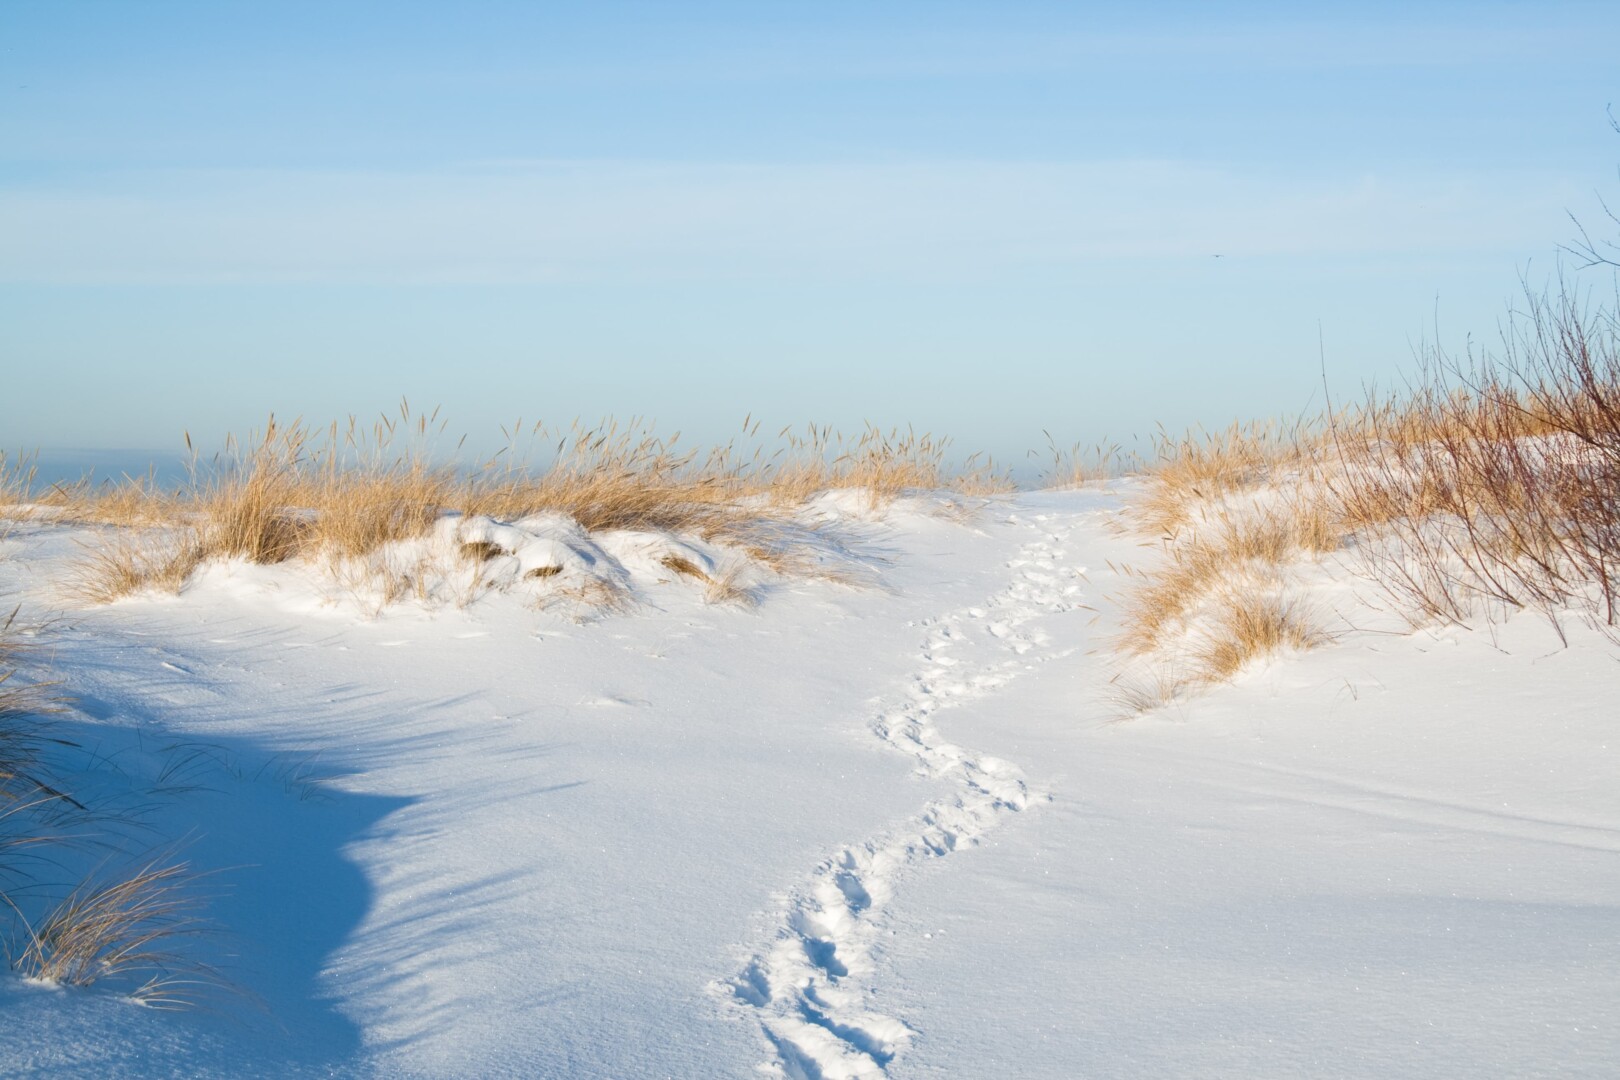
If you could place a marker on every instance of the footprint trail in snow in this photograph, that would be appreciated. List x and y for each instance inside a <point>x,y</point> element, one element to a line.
<point>810,987</point>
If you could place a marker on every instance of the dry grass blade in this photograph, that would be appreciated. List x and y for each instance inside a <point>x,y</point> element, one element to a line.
<point>125,502</point>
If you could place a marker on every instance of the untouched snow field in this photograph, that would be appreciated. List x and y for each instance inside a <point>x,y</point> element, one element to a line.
<point>890,830</point>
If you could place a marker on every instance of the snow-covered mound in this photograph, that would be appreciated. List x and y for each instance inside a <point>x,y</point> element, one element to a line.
<point>544,561</point>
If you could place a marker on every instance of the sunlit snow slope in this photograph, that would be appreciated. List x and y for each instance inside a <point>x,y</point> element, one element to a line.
<point>857,831</point>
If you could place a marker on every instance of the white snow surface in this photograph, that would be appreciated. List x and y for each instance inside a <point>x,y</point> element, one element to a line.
<point>891,830</point>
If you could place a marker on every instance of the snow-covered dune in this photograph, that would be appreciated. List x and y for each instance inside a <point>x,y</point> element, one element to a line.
<point>858,830</point>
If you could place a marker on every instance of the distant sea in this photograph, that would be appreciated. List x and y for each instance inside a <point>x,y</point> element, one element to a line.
<point>68,466</point>
<point>168,468</point>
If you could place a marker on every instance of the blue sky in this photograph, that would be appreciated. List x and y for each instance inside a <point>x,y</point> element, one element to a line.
<point>987,220</point>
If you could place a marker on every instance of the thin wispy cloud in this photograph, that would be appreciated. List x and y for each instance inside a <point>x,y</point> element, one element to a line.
<point>807,49</point>
<point>585,220</point>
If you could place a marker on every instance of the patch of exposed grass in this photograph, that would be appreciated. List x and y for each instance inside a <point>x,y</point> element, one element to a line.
<point>683,566</point>
<point>482,550</point>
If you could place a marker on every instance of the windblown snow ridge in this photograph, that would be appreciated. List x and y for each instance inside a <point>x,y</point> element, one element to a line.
<point>811,986</point>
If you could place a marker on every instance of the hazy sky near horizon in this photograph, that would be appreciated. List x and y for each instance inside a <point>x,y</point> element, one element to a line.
<point>983,219</point>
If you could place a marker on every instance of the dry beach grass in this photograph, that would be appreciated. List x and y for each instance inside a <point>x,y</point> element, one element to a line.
<point>1495,486</point>
<point>1488,487</point>
<point>286,494</point>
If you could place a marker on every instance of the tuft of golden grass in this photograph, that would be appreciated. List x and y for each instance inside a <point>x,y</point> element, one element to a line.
<point>885,465</point>
<point>16,480</point>
<point>724,587</point>
<point>1250,627</point>
<point>1236,544</point>
<point>479,551</point>
<point>1157,603</point>
<point>727,587</point>
<point>128,564</point>
<point>125,928</point>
